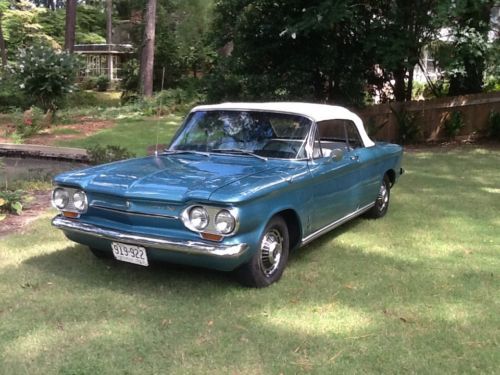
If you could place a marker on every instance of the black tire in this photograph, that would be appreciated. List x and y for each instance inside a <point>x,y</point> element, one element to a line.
<point>267,265</point>
<point>382,202</point>
<point>100,253</point>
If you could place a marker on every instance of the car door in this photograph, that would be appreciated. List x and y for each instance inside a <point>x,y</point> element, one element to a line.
<point>368,172</point>
<point>335,184</point>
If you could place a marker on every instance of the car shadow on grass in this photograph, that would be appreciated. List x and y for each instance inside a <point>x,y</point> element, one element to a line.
<point>364,307</point>
<point>77,263</point>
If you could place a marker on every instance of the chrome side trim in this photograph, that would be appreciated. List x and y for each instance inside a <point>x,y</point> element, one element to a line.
<point>187,247</point>
<point>99,207</point>
<point>337,223</point>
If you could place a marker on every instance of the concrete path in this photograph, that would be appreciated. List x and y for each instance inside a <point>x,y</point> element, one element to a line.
<point>48,152</point>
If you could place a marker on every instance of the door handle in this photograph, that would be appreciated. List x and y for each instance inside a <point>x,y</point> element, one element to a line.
<point>354,157</point>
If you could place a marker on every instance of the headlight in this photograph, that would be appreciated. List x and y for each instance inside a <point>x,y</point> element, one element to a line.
<point>224,222</point>
<point>198,218</point>
<point>60,198</point>
<point>80,201</point>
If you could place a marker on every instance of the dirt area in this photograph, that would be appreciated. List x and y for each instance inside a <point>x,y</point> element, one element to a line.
<point>38,204</point>
<point>39,201</point>
<point>84,127</point>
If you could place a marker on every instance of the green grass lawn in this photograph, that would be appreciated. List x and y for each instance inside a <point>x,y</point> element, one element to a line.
<point>133,133</point>
<point>415,292</point>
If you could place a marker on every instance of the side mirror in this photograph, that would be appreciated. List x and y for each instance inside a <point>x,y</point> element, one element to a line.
<point>336,155</point>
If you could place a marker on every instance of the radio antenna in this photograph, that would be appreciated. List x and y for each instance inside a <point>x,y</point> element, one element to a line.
<point>158,112</point>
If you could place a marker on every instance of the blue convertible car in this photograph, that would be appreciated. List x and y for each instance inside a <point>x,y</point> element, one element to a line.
<point>240,186</point>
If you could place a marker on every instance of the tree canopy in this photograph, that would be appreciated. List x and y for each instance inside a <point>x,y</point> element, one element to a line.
<point>338,51</point>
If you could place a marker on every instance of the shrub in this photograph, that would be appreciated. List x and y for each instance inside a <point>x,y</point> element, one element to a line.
<point>29,122</point>
<point>129,84</point>
<point>102,83</point>
<point>10,95</point>
<point>88,83</point>
<point>408,128</point>
<point>453,124</point>
<point>46,75</point>
<point>81,99</point>
<point>11,201</point>
<point>492,84</point>
<point>494,125</point>
<point>106,154</point>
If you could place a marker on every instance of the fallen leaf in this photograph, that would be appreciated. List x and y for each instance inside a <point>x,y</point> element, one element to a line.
<point>166,322</point>
<point>349,286</point>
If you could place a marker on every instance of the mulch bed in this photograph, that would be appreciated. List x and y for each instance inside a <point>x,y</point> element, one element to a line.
<point>83,128</point>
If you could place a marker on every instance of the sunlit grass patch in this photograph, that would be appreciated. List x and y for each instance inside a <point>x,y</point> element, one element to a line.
<point>134,134</point>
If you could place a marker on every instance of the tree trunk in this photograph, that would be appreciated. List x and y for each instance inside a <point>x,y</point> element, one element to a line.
<point>399,84</point>
<point>69,36</point>
<point>148,50</point>
<point>3,52</point>
<point>109,36</point>
<point>409,86</point>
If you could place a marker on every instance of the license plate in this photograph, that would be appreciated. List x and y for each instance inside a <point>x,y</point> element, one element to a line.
<point>130,253</point>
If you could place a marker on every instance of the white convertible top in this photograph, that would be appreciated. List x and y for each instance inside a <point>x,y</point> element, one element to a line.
<point>317,112</point>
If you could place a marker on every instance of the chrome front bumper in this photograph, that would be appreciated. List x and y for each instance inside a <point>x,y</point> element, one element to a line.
<point>186,247</point>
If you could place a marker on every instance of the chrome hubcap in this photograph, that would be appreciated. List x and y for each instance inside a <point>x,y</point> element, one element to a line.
<point>383,197</point>
<point>271,249</point>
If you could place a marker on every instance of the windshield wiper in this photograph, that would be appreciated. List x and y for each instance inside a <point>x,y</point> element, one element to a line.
<point>238,151</point>
<point>173,152</point>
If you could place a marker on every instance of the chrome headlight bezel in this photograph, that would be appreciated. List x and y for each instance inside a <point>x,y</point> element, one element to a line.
<point>60,198</point>
<point>81,204</point>
<point>69,200</point>
<point>198,218</point>
<point>213,214</point>
<point>224,217</point>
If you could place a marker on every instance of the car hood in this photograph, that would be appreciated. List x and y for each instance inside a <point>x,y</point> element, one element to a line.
<point>166,177</point>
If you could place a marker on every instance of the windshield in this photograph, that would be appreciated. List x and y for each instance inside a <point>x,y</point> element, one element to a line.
<point>267,134</point>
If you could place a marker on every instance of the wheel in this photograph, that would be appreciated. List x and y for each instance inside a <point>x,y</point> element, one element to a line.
<point>382,202</point>
<point>100,253</point>
<point>269,262</point>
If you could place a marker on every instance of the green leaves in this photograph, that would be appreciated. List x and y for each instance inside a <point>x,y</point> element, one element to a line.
<point>46,75</point>
<point>10,201</point>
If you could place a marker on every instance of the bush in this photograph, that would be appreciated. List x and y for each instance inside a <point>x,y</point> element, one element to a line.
<point>129,84</point>
<point>81,99</point>
<point>10,95</point>
<point>408,128</point>
<point>88,83</point>
<point>453,124</point>
<point>492,84</point>
<point>106,154</point>
<point>46,75</point>
<point>165,102</point>
<point>494,125</point>
<point>11,201</point>
<point>29,122</point>
<point>102,83</point>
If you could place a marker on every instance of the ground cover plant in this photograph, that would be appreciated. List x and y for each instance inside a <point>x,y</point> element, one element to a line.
<point>414,292</point>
